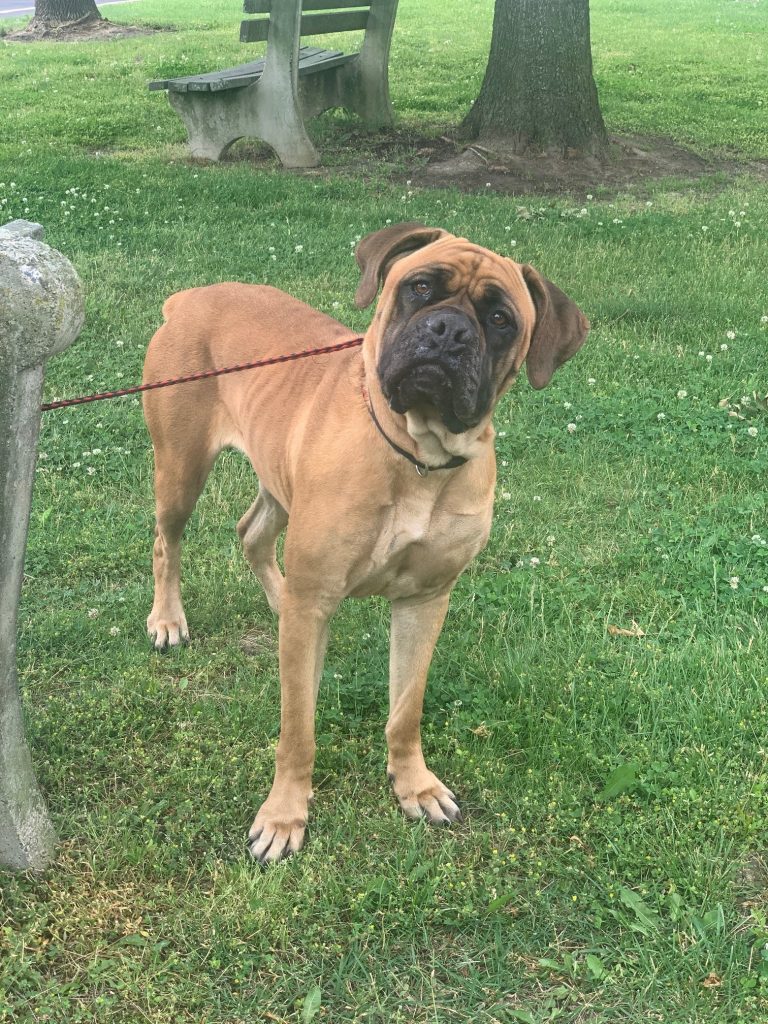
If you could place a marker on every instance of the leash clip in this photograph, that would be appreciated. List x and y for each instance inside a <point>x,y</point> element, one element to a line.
<point>422,469</point>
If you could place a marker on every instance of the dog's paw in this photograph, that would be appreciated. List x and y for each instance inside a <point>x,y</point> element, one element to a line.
<point>167,632</point>
<point>422,795</point>
<point>277,832</point>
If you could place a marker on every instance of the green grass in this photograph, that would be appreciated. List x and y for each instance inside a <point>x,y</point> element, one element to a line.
<point>615,793</point>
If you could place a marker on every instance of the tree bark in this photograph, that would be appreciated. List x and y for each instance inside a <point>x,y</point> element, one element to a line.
<point>538,92</point>
<point>50,14</point>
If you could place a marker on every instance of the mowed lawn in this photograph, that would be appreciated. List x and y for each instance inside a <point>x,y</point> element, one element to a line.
<point>598,696</point>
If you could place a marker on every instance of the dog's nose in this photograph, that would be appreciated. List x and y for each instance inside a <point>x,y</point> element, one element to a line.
<point>448,329</point>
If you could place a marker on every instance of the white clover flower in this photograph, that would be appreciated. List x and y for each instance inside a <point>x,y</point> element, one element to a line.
<point>535,562</point>
<point>682,394</point>
<point>591,381</point>
<point>537,497</point>
<point>506,495</point>
<point>723,348</point>
<point>551,539</point>
<point>756,538</point>
<point>730,335</point>
<point>661,416</point>
<point>765,590</point>
<point>90,471</point>
<point>764,319</point>
<point>752,431</point>
<point>709,358</point>
<point>114,631</point>
<point>571,428</point>
<point>93,613</point>
<point>702,354</point>
<point>567,405</point>
<point>734,582</point>
<point>298,248</point>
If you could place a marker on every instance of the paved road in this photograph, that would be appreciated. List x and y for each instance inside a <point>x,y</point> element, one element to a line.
<point>23,8</point>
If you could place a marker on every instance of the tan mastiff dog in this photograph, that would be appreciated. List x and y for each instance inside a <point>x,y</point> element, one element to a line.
<point>379,462</point>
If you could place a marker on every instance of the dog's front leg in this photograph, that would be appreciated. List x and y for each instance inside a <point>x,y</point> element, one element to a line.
<point>415,628</point>
<point>279,827</point>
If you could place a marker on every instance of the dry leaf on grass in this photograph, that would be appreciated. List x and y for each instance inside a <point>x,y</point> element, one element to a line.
<point>634,631</point>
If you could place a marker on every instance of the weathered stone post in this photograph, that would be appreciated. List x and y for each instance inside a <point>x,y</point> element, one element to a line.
<point>41,313</point>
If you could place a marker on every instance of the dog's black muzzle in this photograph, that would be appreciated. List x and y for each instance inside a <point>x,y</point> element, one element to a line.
<point>437,359</point>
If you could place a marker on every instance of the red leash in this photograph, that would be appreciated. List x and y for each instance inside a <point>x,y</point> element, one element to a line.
<point>352,343</point>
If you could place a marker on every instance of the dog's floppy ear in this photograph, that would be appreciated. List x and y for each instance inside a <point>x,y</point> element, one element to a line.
<point>560,330</point>
<point>376,253</point>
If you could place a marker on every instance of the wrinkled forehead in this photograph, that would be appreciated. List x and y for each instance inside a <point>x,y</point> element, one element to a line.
<point>463,266</point>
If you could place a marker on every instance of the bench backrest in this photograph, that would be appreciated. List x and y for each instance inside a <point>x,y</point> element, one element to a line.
<point>329,16</point>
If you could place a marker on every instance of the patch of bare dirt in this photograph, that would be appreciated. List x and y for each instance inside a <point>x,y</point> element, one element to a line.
<point>82,31</point>
<point>258,641</point>
<point>633,160</point>
<point>445,162</point>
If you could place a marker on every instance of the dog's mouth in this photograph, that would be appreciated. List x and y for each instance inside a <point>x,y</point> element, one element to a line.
<point>431,383</point>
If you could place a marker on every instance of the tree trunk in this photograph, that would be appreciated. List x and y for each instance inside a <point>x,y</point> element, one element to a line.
<point>51,13</point>
<point>538,92</point>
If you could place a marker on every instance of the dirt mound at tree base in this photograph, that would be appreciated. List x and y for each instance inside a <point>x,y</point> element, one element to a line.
<point>82,31</point>
<point>633,159</point>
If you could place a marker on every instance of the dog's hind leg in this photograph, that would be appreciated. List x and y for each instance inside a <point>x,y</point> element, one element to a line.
<point>177,488</point>
<point>258,530</point>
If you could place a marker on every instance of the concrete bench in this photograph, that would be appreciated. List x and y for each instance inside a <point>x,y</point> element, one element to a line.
<point>270,99</point>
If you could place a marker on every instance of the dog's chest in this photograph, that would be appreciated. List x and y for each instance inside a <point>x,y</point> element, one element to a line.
<point>420,547</point>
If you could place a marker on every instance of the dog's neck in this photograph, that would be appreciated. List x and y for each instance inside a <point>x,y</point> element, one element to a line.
<point>435,442</point>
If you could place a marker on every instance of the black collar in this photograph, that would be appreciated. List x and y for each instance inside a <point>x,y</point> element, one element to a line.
<point>421,467</point>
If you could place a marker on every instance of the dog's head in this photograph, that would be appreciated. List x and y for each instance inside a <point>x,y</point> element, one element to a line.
<point>455,322</point>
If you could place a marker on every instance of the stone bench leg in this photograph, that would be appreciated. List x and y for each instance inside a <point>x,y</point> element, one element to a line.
<point>214,120</point>
<point>41,312</point>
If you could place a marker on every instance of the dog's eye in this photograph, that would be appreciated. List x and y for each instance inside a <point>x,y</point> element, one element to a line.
<point>422,288</point>
<point>499,319</point>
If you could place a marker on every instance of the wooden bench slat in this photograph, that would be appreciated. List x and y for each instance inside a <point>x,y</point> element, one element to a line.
<point>257,30</point>
<point>319,24</point>
<point>265,6</point>
<point>311,58</point>
<point>323,59</point>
